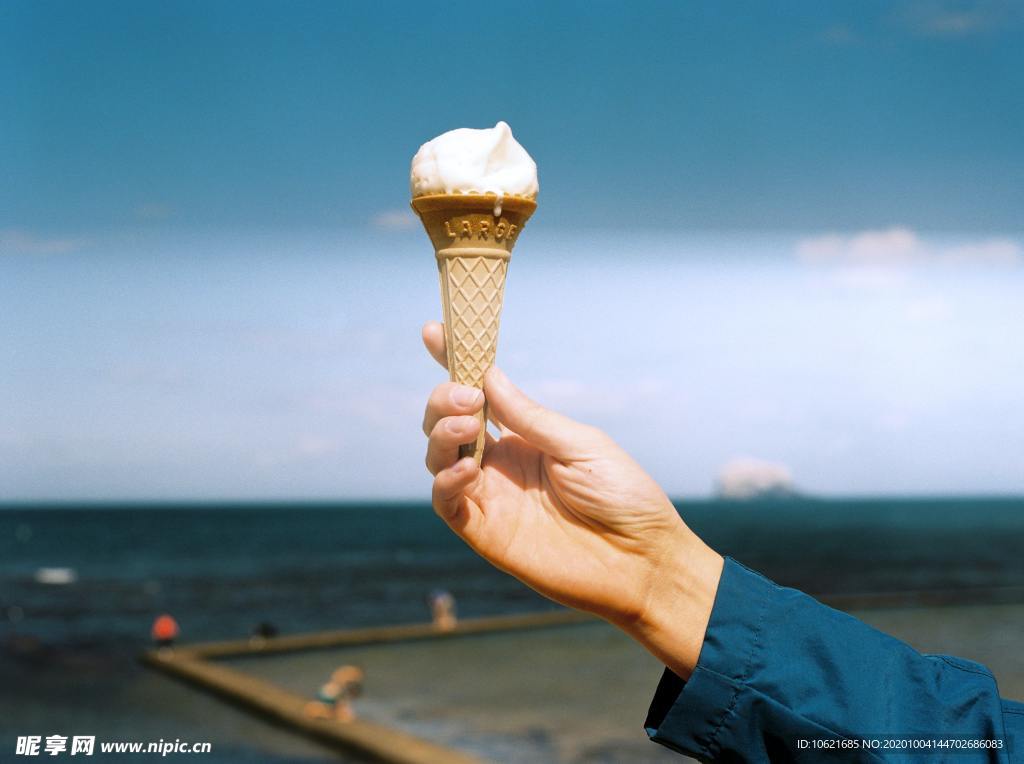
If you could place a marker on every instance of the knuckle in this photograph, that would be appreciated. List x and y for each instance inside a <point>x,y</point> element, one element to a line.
<point>440,432</point>
<point>438,406</point>
<point>436,396</point>
<point>441,398</point>
<point>442,493</point>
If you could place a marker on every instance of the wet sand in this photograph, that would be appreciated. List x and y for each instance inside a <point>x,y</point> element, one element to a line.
<point>569,694</point>
<point>579,694</point>
<point>81,691</point>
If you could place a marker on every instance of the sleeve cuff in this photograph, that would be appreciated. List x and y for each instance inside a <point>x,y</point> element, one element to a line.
<point>688,716</point>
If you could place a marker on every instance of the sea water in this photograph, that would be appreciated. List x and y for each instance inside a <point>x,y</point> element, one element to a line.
<point>68,644</point>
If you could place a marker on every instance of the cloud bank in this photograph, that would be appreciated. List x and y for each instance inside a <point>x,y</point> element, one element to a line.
<point>15,241</point>
<point>399,220</point>
<point>962,19</point>
<point>901,246</point>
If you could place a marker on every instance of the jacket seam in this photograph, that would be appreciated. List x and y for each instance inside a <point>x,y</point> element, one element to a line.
<point>741,682</point>
<point>743,685</point>
<point>947,661</point>
<point>843,735</point>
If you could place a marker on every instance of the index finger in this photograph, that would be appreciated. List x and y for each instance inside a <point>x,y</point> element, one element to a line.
<point>433,339</point>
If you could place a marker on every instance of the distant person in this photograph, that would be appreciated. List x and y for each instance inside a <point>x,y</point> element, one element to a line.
<point>442,609</point>
<point>261,632</point>
<point>265,629</point>
<point>335,697</point>
<point>755,672</point>
<point>165,631</point>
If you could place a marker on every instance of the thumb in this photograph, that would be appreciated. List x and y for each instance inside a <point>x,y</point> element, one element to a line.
<point>551,432</point>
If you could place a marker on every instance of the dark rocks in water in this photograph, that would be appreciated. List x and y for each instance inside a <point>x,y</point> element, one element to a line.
<point>24,646</point>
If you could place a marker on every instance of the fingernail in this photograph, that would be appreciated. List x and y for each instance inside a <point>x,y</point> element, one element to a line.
<point>454,426</point>
<point>498,375</point>
<point>459,466</point>
<point>466,396</point>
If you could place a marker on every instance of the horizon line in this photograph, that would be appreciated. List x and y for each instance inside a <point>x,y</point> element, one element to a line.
<point>229,503</point>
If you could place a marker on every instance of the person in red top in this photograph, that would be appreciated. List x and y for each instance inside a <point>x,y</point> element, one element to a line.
<point>165,630</point>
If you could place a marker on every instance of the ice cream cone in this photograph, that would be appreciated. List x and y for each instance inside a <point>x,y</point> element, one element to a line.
<point>473,236</point>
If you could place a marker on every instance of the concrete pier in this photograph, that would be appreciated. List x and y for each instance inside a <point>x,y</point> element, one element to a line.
<point>197,665</point>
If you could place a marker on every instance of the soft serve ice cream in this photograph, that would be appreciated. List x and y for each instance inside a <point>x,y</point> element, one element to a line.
<point>468,161</point>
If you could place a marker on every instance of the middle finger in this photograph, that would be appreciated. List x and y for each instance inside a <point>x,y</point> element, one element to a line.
<point>451,399</point>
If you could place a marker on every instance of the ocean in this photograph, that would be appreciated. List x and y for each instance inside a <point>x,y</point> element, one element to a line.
<point>67,650</point>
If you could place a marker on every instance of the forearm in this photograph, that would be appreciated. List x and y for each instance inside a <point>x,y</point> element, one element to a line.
<point>672,624</point>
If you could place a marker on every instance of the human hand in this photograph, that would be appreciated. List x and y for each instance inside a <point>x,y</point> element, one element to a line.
<point>561,507</point>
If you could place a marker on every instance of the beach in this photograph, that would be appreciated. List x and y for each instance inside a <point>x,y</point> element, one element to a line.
<point>579,694</point>
<point>567,694</point>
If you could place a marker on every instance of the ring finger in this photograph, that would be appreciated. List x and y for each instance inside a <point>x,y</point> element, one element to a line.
<point>448,434</point>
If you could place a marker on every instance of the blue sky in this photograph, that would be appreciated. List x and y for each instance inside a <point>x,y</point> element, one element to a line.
<point>210,285</point>
<point>730,115</point>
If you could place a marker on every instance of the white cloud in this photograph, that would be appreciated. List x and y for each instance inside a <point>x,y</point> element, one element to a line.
<point>995,251</point>
<point>394,220</point>
<point>939,18</point>
<point>870,277</point>
<point>14,241</point>
<point>746,478</point>
<point>153,212</point>
<point>588,399</point>
<point>884,246</point>
<point>839,34</point>
<point>308,448</point>
<point>953,23</point>
<point>899,246</point>
<point>313,446</point>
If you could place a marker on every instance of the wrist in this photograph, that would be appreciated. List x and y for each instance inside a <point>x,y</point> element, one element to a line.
<point>677,608</point>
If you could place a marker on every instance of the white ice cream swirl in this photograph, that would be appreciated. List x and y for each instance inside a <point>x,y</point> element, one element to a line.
<point>468,161</point>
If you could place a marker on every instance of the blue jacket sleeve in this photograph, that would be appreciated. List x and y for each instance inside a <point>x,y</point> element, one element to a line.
<point>782,677</point>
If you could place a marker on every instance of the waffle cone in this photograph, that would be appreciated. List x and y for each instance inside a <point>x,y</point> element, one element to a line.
<point>473,237</point>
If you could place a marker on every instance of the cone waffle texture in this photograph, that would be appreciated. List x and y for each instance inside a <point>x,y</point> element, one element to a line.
<point>473,240</point>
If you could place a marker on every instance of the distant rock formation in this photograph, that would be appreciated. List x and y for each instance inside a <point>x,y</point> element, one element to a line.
<point>747,478</point>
